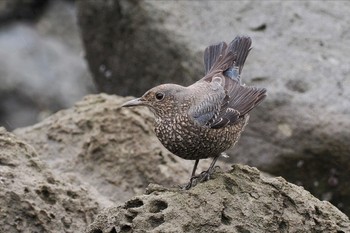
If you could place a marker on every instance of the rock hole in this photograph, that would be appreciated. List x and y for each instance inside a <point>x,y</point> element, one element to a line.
<point>50,180</point>
<point>229,185</point>
<point>225,219</point>
<point>156,221</point>
<point>72,194</point>
<point>46,194</point>
<point>125,228</point>
<point>287,201</point>
<point>130,216</point>
<point>317,210</point>
<point>96,231</point>
<point>133,203</point>
<point>283,226</point>
<point>113,230</point>
<point>259,79</point>
<point>157,206</point>
<point>241,229</point>
<point>261,27</point>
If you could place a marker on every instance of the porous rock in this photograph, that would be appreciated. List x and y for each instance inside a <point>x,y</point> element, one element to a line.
<point>241,200</point>
<point>32,198</point>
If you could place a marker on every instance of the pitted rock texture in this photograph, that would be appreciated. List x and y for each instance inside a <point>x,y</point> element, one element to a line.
<point>241,200</point>
<point>33,199</point>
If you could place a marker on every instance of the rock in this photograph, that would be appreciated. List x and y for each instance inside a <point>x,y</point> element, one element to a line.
<point>112,149</point>
<point>127,49</point>
<point>20,9</point>
<point>42,68</point>
<point>33,199</point>
<point>97,153</point>
<point>241,200</point>
<point>300,54</point>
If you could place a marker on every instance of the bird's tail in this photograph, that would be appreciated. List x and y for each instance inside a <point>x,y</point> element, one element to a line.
<point>240,46</point>
<point>227,59</point>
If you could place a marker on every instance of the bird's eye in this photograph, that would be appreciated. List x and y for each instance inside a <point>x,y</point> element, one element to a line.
<point>159,96</point>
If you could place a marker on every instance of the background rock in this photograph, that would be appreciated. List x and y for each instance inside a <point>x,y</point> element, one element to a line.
<point>41,64</point>
<point>300,55</point>
<point>20,9</point>
<point>33,199</point>
<point>112,149</point>
<point>239,201</point>
<point>128,48</point>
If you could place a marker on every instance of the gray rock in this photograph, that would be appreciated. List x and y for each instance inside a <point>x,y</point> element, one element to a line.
<point>242,200</point>
<point>300,54</point>
<point>42,69</point>
<point>33,199</point>
<point>20,9</point>
<point>128,50</point>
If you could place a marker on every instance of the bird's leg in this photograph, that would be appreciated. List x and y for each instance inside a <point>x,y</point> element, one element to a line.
<point>206,174</point>
<point>193,176</point>
<point>194,168</point>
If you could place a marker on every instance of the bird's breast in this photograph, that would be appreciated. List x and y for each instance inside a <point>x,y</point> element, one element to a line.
<point>187,139</point>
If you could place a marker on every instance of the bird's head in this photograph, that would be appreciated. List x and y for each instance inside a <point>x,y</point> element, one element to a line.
<point>161,99</point>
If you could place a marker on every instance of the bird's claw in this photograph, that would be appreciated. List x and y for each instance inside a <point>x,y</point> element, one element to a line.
<point>204,176</point>
<point>192,183</point>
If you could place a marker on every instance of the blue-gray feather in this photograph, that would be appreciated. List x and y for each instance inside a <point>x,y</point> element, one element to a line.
<point>223,66</point>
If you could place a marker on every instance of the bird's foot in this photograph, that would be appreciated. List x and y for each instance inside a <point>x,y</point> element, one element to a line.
<point>193,182</point>
<point>204,176</point>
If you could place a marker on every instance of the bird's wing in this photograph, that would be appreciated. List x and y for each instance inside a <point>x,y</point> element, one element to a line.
<point>239,100</point>
<point>225,100</point>
<point>216,107</point>
<point>206,102</point>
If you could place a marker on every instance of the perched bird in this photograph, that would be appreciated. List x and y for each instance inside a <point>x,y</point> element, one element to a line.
<point>206,118</point>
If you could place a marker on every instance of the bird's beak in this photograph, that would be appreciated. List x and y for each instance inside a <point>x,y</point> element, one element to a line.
<point>134,102</point>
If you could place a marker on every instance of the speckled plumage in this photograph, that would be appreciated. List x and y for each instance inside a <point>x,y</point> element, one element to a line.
<point>190,140</point>
<point>206,118</point>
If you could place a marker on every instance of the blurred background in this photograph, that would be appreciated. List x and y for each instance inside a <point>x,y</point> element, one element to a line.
<point>42,66</point>
<point>53,52</point>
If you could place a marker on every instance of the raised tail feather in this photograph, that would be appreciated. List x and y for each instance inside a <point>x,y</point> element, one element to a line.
<point>227,59</point>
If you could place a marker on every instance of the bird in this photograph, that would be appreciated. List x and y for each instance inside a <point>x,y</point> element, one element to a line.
<point>206,118</point>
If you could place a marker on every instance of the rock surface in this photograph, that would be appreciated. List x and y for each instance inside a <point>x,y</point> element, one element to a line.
<point>300,54</point>
<point>107,147</point>
<point>128,49</point>
<point>239,201</point>
<point>33,199</point>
